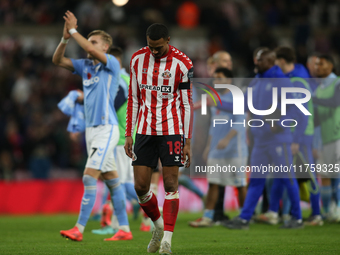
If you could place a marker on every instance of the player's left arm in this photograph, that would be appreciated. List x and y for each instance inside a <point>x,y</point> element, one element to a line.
<point>71,23</point>
<point>186,109</point>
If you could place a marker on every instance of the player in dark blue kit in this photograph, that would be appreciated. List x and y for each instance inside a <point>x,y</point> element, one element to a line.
<point>298,74</point>
<point>271,142</point>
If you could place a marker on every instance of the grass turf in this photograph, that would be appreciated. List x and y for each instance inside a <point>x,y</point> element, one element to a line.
<point>40,235</point>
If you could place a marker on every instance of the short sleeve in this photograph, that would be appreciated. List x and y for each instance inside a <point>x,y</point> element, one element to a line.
<point>78,65</point>
<point>112,63</point>
<point>188,75</point>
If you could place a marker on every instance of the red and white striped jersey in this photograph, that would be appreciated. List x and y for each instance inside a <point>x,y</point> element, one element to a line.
<point>160,94</point>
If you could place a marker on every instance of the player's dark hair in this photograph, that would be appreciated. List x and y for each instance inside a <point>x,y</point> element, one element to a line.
<point>329,59</point>
<point>285,53</point>
<point>157,31</point>
<point>116,51</point>
<point>225,71</point>
<point>314,54</point>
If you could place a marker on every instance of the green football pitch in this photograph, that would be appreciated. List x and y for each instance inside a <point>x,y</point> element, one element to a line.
<point>40,235</point>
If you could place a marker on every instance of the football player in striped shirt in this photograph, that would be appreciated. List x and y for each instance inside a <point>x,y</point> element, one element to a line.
<point>160,103</point>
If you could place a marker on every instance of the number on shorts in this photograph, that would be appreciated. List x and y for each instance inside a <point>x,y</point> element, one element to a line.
<point>176,150</point>
<point>94,150</point>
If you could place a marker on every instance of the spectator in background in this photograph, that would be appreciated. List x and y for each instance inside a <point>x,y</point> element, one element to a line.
<point>311,66</point>
<point>6,166</point>
<point>222,59</point>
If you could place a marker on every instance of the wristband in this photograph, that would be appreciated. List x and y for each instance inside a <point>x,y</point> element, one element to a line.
<point>72,31</point>
<point>64,41</point>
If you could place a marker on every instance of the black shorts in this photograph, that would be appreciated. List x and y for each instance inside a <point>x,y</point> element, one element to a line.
<point>148,148</point>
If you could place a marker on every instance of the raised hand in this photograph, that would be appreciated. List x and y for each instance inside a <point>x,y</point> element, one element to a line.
<point>66,34</point>
<point>70,20</point>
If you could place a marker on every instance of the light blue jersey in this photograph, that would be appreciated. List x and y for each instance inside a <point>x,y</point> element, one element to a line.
<point>100,84</point>
<point>237,147</point>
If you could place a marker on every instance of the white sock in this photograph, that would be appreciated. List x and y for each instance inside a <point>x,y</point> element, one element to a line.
<point>167,237</point>
<point>275,214</point>
<point>80,227</point>
<point>114,222</point>
<point>159,223</point>
<point>125,228</point>
<point>154,188</point>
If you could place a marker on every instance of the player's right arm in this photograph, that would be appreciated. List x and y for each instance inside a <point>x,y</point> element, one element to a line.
<point>58,57</point>
<point>132,107</point>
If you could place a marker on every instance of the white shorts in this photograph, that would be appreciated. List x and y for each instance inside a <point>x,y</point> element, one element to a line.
<point>227,178</point>
<point>100,143</point>
<point>124,165</point>
<point>330,157</point>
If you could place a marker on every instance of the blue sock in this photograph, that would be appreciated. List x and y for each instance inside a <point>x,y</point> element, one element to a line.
<point>89,197</point>
<point>130,191</point>
<point>336,189</point>
<point>269,185</point>
<point>315,203</point>
<point>315,196</point>
<point>118,200</point>
<point>326,197</point>
<point>285,203</point>
<point>255,189</point>
<point>276,193</point>
<point>293,192</point>
<point>185,181</point>
<point>209,213</point>
<point>104,197</point>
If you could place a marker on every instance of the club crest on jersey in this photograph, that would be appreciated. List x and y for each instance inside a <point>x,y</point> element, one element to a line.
<point>166,74</point>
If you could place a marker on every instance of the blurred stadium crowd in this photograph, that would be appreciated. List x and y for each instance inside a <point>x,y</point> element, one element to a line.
<point>33,137</point>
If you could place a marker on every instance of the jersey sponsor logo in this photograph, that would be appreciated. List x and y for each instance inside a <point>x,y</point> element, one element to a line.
<point>91,81</point>
<point>166,74</point>
<point>168,96</point>
<point>166,89</point>
<point>163,88</point>
<point>149,87</point>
